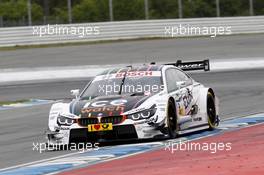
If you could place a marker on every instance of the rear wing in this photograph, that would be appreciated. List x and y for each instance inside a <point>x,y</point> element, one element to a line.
<point>193,65</point>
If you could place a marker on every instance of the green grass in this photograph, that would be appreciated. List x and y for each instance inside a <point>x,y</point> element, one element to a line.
<point>13,102</point>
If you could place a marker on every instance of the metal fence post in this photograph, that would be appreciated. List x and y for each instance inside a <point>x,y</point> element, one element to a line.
<point>29,12</point>
<point>46,11</point>
<point>251,8</point>
<point>69,12</point>
<point>111,10</point>
<point>180,8</point>
<point>1,21</point>
<point>146,9</point>
<point>217,8</point>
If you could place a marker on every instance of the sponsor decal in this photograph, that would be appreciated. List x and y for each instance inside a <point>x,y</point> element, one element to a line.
<point>106,102</point>
<point>134,74</point>
<point>187,98</point>
<point>103,109</point>
<point>129,74</point>
<point>104,106</point>
<point>197,119</point>
<point>149,121</point>
<point>184,102</point>
<point>182,111</point>
<point>100,127</point>
<point>191,66</point>
<point>61,128</point>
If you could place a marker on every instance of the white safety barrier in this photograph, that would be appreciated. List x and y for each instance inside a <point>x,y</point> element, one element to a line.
<point>30,35</point>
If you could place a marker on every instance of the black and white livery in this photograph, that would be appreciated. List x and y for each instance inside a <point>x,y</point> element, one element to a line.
<point>149,101</point>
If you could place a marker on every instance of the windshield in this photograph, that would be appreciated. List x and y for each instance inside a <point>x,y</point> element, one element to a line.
<point>111,84</point>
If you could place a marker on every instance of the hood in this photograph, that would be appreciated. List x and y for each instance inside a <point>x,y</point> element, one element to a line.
<point>106,105</point>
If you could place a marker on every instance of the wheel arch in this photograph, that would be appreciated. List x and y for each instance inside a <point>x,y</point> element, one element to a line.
<point>202,100</point>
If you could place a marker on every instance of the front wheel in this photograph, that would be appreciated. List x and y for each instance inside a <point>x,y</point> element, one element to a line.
<point>172,120</point>
<point>211,111</point>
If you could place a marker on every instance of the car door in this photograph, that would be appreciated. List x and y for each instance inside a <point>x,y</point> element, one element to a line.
<point>190,94</point>
<point>180,86</point>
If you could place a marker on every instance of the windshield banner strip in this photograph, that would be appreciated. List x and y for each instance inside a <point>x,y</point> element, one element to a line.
<point>130,74</point>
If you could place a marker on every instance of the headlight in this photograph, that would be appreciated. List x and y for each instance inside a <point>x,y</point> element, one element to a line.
<point>143,114</point>
<point>61,120</point>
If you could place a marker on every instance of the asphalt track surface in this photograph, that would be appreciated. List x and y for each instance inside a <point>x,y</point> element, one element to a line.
<point>224,47</point>
<point>240,93</point>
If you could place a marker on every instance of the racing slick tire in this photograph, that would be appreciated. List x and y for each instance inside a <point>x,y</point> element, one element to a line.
<point>172,120</point>
<point>211,111</point>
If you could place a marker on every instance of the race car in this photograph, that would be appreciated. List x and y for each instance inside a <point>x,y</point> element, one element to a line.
<point>142,102</point>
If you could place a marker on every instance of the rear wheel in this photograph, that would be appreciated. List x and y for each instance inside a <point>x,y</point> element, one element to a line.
<point>172,120</point>
<point>211,111</point>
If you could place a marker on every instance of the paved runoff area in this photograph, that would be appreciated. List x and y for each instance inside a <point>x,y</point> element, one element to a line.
<point>235,139</point>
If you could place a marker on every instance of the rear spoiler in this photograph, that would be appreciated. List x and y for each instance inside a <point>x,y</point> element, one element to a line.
<point>193,65</point>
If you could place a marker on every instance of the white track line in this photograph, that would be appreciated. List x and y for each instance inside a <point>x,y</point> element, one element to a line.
<point>50,73</point>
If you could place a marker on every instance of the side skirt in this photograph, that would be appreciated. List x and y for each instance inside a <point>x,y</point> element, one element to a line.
<point>193,129</point>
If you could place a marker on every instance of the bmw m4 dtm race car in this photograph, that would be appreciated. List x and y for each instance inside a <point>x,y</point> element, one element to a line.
<point>149,101</point>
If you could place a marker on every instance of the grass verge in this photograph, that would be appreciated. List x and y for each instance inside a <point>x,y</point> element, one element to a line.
<point>2,103</point>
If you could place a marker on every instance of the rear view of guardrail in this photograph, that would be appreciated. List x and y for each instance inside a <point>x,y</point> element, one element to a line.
<point>22,36</point>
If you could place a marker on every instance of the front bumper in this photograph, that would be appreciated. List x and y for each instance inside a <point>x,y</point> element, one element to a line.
<point>120,132</point>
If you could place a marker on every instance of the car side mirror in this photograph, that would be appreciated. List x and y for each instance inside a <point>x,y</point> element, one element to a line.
<point>75,92</point>
<point>180,84</point>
